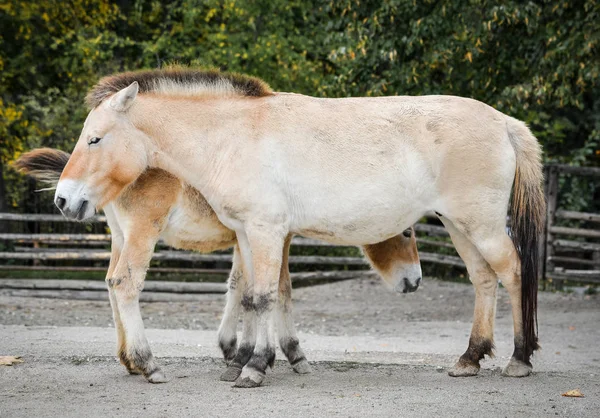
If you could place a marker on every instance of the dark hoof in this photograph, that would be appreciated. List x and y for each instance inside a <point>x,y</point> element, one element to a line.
<point>246,383</point>
<point>231,374</point>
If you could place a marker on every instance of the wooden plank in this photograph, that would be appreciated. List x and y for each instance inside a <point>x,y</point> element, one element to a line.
<point>580,245</point>
<point>55,237</point>
<point>41,217</point>
<point>105,238</point>
<point>441,259</point>
<point>175,256</point>
<point>183,256</point>
<point>580,171</point>
<point>100,285</point>
<point>103,296</point>
<point>332,275</point>
<point>173,270</point>
<point>432,229</point>
<point>582,216</point>
<point>575,260</point>
<point>580,232</point>
<point>592,278</point>
<point>435,243</point>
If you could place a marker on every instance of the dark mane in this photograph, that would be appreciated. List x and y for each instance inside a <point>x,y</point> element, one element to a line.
<point>180,81</point>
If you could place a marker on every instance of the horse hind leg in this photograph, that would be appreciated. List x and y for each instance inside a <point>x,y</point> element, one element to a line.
<point>481,341</point>
<point>227,333</point>
<point>500,253</point>
<point>288,340</point>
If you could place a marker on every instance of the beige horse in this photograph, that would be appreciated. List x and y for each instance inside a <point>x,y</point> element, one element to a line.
<point>355,171</point>
<point>158,205</point>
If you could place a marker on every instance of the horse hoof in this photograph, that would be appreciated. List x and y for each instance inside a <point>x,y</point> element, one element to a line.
<point>231,374</point>
<point>302,367</point>
<point>134,371</point>
<point>463,370</point>
<point>250,378</point>
<point>157,376</point>
<point>516,368</point>
<point>246,382</point>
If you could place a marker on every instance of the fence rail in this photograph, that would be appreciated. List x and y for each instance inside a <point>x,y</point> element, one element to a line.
<point>568,251</point>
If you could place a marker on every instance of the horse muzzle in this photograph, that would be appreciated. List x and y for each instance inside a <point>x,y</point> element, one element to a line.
<point>72,203</point>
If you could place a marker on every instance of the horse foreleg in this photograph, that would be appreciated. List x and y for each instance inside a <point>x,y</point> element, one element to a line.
<point>121,343</point>
<point>288,341</point>
<point>125,286</point>
<point>246,347</point>
<point>262,248</point>
<point>227,330</point>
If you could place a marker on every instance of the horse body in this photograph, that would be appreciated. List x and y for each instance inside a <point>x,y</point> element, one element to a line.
<point>354,171</point>
<point>398,160</point>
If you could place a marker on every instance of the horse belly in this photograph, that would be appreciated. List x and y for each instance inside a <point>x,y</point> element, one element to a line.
<point>359,213</point>
<point>185,231</point>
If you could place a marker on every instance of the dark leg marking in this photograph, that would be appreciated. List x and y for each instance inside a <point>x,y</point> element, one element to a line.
<point>242,357</point>
<point>264,302</point>
<point>291,349</point>
<point>477,351</point>
<point>260,361</point>
<point>519,364</point>
<point>468,364</point>
<point>142,360</point>
<point>228,348</point>
<point>520,353</point>
<point>247,303</point>
<point>127,363</point>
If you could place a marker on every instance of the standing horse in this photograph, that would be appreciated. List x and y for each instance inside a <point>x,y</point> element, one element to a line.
<point>158,205</point>
<point>355,171</point>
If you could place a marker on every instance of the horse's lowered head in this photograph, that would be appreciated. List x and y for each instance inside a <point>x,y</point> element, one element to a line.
<point>108,156</point>
<point>397,261</point>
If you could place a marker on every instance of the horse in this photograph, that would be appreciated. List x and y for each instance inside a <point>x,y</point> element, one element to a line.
<point>353,171</point>
<point>158,205</point>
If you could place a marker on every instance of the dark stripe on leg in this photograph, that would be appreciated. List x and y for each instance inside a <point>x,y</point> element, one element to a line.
<point>262,359</point>
<point>520,353</point>
<point>228,348</point>
<point>291,349</point>
<point>477,351</point>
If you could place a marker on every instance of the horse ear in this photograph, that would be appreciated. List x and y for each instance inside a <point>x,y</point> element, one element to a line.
<point>123,99</point>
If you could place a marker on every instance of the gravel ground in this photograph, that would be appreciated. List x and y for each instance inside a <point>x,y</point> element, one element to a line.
<point>374,353</point>
<point>352,307</point>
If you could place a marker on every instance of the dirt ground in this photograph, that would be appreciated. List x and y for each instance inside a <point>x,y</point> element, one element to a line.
<point>373,352</point>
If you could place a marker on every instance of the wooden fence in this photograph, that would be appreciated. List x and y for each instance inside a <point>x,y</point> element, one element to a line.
<point>569,251</point>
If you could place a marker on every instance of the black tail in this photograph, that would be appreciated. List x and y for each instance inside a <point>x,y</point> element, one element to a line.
<point>527,224</point>
<point>44,164</point>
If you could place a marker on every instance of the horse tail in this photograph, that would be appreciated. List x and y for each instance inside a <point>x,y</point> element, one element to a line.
<point>44,164</point>
<point>528,213</point>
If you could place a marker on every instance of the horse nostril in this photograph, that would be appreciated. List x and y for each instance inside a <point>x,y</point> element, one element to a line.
<point>61,202</point>
<point>418,282</point>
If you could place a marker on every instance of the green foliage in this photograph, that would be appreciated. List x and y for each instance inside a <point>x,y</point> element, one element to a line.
<point>537,60</point>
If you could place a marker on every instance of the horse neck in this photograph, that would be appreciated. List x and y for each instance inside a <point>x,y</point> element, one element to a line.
<point>189,138</point>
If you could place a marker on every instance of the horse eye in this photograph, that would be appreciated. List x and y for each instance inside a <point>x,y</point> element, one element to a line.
<point>94,140</point>
<point>407,233</point>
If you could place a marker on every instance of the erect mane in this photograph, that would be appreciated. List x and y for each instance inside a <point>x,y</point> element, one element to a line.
<point>180,82</point>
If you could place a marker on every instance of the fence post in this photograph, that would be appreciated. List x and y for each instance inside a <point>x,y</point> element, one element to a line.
<point>552,196</point>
